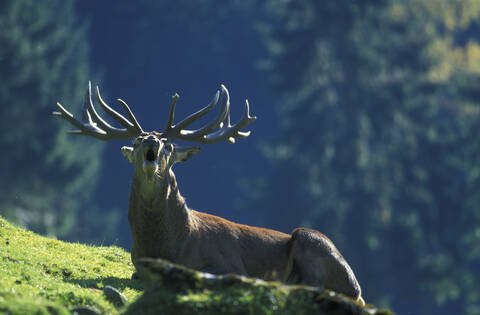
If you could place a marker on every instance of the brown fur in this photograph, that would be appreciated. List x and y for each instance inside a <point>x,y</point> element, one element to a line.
<point>164,227</point>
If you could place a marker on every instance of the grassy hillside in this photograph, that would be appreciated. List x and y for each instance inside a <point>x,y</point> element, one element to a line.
<point>44,275</point>
<point>40,275</point>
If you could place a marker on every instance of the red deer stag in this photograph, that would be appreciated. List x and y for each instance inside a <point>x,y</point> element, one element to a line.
<point>163,226</point>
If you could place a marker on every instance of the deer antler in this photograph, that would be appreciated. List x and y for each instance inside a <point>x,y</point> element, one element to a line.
<point>209,133</point>
<point>94,125</point>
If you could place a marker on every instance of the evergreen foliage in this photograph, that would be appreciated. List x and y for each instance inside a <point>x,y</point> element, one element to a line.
<point>379,142</point>
<point>46,179</point>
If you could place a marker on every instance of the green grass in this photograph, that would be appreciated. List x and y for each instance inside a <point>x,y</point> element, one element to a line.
<point>40,275</point>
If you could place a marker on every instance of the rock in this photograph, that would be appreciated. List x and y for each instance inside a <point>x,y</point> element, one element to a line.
<point>173,289</point>
<point>84,310</point>
<point>114,296</point>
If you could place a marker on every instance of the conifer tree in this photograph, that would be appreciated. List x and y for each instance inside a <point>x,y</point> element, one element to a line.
<point>379,142</point>
<point>45,178</point>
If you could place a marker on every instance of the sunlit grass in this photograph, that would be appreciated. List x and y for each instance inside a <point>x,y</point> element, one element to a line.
<point>39,274</point>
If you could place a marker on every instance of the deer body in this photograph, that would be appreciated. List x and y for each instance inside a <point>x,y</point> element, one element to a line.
<point>163,226</point>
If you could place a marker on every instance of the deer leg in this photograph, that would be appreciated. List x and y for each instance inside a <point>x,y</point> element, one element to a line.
<point>317,262</point>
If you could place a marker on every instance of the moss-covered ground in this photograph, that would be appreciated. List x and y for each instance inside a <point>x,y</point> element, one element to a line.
<point>173,289</point>
<point>40,275</point>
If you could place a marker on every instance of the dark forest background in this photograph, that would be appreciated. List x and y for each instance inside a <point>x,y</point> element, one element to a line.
<point>368,126</point>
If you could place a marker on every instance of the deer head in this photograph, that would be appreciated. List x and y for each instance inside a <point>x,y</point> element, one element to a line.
<point>154,152</point>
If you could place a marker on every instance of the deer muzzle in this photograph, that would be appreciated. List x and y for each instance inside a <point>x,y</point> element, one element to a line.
<point>150,158</point>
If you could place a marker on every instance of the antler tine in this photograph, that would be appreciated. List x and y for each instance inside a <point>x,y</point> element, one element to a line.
<point>89,129</point>
<point>199,134</point>
<point>246,119</point>
<point>171,114</point>
<point>178,131</point>
<point>133,120</point>
<point>199,114</point>
<point>113,113</point>
<point>94,125</point>
<point>92,114</point>
<point>207,133</point>
<point>230,132</point>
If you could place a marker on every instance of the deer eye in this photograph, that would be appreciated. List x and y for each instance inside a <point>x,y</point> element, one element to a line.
<point>136,142</point>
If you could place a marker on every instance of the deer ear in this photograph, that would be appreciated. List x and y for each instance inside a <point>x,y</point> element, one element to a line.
<point>183,154</point>
<point>128,153</point>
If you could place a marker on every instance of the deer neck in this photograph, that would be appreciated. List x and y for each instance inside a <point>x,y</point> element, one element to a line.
<point>158,214</point>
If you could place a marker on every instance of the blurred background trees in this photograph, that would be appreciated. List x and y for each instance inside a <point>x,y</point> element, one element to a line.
<point>46,179</point>
<point>379,142</point>
<point>368,122</point>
